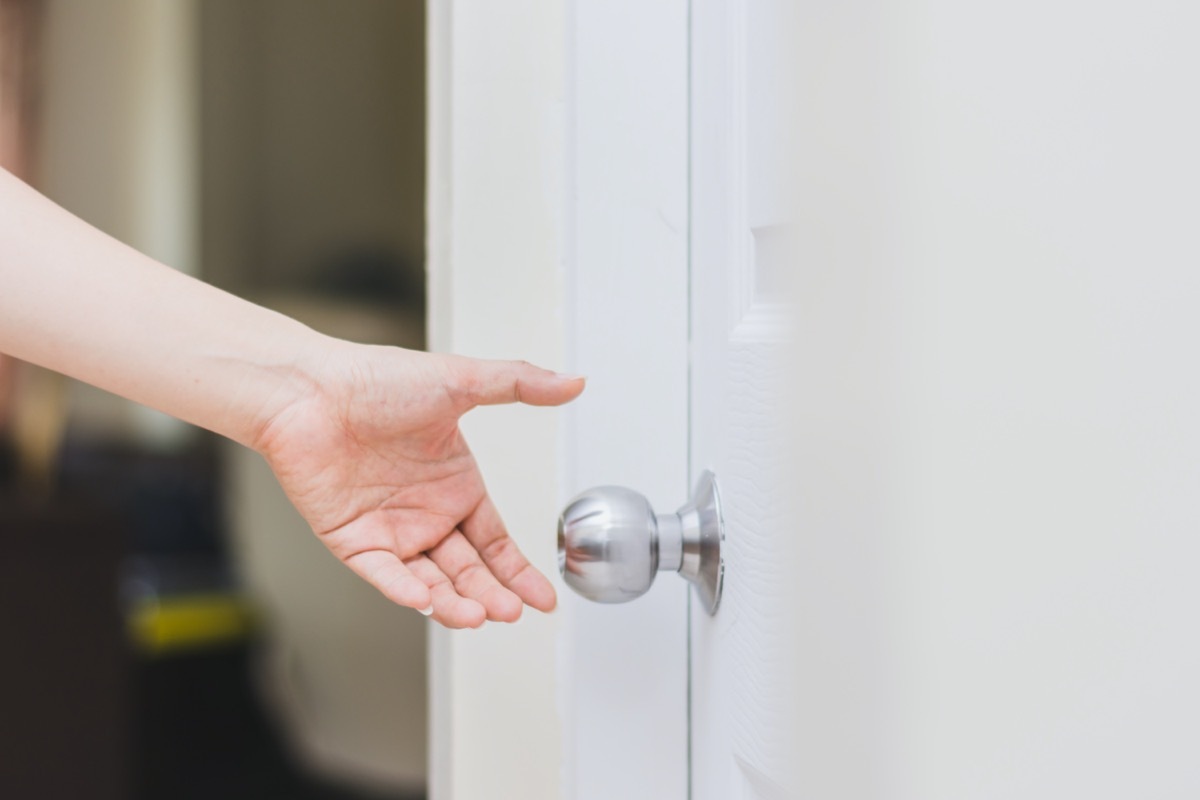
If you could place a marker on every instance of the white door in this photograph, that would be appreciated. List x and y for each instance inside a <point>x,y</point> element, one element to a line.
<point>677,319</point>
<point>997,326</point>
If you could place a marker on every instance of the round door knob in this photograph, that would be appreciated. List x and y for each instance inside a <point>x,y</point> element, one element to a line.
<point>611,543</point>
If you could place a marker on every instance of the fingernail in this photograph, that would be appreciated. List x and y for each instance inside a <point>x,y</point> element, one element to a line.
<point>563,377</point>
<point>427,610</point>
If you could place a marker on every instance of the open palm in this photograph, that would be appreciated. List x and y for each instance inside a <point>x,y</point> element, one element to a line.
<point>373,458</point>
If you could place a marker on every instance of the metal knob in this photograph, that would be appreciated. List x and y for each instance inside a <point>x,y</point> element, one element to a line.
<point>611,543</point>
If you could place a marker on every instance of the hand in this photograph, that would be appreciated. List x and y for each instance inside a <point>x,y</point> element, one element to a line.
<point>373,458</point>
<point>364,440</point>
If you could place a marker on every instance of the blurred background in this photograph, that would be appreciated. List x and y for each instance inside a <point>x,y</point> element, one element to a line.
<point>170,627</point>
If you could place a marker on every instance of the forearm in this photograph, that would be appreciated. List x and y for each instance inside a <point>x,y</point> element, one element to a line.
<point>77,301</point>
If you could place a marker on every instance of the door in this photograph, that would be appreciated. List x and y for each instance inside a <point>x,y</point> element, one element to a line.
<point>993,570</point>
<point>678,230</point>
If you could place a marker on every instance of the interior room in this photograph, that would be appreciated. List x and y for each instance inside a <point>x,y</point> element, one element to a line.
<point>182,633</point>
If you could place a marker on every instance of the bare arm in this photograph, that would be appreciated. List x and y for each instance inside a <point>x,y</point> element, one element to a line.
<point>77,301</point>
<point>364,439</point>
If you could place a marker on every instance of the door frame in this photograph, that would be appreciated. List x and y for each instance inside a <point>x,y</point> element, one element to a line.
<point>495,233</point>
<point>623,671</point>
<point>557,182</point>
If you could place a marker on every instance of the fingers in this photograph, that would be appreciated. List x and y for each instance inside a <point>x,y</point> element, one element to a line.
<point>449,608</point>
<point>461,581</point>
<point>486,533</point>
<point>388,574</point>
<point>480,382</point>
<point>419,583</point>
<point>461,563</point>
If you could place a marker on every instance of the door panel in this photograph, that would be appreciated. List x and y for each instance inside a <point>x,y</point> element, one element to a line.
<point>1043,532</point>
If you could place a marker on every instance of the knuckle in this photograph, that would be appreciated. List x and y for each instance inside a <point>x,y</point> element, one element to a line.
<point>499,548</point>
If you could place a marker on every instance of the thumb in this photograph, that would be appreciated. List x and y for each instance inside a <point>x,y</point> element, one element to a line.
<point>482,382</point>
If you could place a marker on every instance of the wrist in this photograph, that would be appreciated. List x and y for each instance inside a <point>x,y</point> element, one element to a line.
<point>292,377</point>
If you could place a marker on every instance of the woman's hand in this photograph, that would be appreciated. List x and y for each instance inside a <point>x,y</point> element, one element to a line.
<point>371,454</point>
<point>365,440</point>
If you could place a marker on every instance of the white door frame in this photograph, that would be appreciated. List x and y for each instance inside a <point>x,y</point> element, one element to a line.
<point>495,199</point>
<point>624,668</point>
<point>558,133</point>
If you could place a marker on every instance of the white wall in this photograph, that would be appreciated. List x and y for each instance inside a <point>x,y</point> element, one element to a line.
<point>495,244</point>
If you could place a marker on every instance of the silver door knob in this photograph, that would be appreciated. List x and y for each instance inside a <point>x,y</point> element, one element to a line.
<point>611,543</point>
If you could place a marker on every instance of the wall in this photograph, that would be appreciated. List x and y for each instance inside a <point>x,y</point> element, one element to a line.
<point>118,149</point>
<point>119,121</point>
<point>313,137</point>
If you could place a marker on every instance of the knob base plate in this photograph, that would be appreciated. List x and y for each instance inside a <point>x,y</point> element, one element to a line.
<point>703,534</point>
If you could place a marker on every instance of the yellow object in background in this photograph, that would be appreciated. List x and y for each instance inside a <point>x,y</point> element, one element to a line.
<point>166,625</point>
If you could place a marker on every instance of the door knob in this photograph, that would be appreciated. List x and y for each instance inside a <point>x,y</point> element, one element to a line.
<point>611,543</point>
